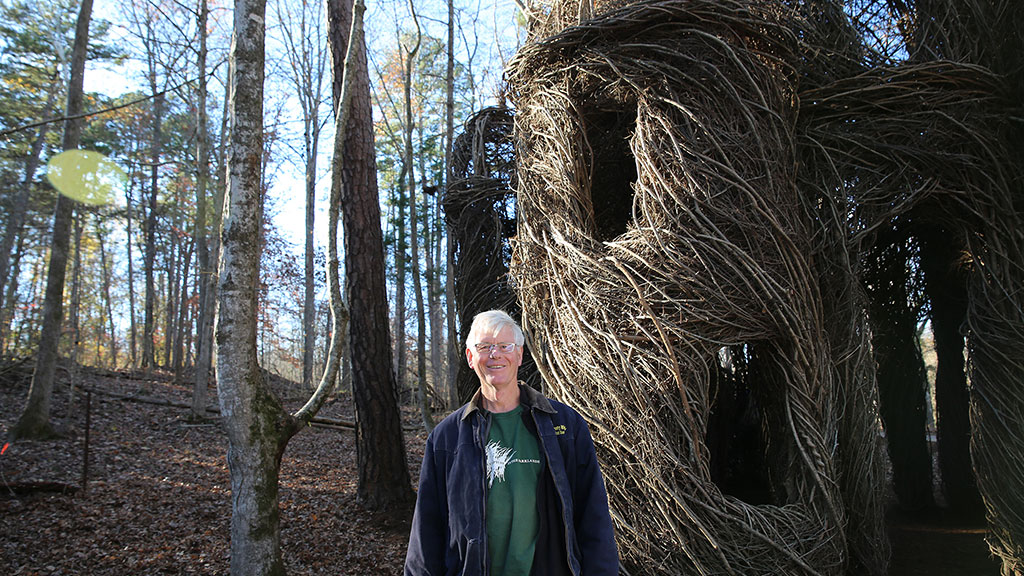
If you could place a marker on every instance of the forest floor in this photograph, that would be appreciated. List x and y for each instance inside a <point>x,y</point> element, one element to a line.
<point>157,499</point>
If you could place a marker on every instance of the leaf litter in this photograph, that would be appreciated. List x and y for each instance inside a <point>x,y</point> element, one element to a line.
<point>157,499</point>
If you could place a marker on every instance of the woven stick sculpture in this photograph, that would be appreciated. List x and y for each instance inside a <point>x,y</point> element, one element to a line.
<point>479,207</point>
<point>696,177</point>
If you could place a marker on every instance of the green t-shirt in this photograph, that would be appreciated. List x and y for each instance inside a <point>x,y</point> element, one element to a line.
<point>513,467</point>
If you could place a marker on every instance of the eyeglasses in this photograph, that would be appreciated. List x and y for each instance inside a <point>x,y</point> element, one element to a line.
<point>506,347</point>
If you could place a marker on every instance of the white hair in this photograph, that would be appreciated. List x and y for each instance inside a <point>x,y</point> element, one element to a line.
<point>491,322</point>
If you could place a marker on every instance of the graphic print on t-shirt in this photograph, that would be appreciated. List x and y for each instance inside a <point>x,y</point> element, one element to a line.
<point>498,458</point>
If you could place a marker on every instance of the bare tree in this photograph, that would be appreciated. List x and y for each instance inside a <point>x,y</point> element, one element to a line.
<point>304,35</point>
<point>204,324</point>
<point>34,421</point>
<point>164,49</point>
<point>15,222</point>
<point>258,427</point>
<point>410,162</point>
<point>107,300</point>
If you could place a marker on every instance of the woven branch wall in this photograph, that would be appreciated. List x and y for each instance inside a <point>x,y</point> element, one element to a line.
<point>479,207</point>
<point>696,177</point>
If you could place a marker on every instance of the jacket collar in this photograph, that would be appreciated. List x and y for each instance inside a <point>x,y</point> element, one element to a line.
<point>528,397</point>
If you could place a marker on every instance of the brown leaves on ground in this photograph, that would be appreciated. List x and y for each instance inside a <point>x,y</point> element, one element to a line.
<point>158,496</point>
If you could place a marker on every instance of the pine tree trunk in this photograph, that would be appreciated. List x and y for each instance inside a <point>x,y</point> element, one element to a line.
<point>384,482</point>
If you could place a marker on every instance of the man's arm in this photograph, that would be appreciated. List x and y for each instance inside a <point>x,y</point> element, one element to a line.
<point>427,538</point>
<point>594,532</point>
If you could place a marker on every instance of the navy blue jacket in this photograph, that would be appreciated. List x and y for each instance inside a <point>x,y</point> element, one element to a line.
<point>449,530</point>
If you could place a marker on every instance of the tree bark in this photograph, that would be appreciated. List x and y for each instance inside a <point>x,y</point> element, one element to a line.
<point>204,362</point>
<point>149,320</point>
<point>410,162</point>
<point>107,300</point>
<point>133,331</point>
<point>308,299</point>
<point>433,272</point>
<point>454,352</point>
<point>183,322</point>
<point>257,426</point>
<point>901,376</point>
<point>255,422</point>
<point>401,268</point>
<point>384,482</point>
<point>204,322</point>
<point>75,308</point>
<point>15,224</point>
<point>173,256</point>
<point>946,286</point>
<point>34,421</point>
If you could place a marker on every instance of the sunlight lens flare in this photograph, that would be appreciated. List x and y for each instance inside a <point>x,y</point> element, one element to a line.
<point>86,176</point>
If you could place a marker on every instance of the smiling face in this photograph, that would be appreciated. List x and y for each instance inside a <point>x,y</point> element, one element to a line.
<point>495,368</point>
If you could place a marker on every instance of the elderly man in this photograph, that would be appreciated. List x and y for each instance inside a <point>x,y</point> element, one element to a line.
<point>510,484</point>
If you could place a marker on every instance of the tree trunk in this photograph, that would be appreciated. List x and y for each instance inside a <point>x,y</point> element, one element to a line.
<point>453,348</point>
<point>410,162</point>
<point>401,265</point>
<point>149,320</point>
<point>901,376</point>
<point>34,421</point>
<point>8,303</point>
<point>133,329</point>
<point>384,482</point>
<point>15,224</point>
<point>204,362</point>
<point>434,304</point>
<point>946,286</point>
<point>255,422</point>
<point>258,428</point>
<point>171,295</point>
<point>76,307</point>
<point>183,321</point>
<point>204,321</point>
<point>309,301</point>
<point>107,300</point>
